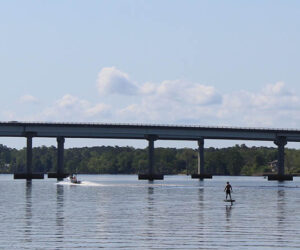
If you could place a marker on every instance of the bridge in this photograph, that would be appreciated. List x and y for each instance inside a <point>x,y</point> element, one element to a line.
<point>151,133</point>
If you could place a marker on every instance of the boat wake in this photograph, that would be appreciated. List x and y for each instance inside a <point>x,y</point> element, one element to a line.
<point>83,183</point>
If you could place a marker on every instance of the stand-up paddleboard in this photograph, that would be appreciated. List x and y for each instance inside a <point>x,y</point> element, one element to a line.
<point>229,200</point>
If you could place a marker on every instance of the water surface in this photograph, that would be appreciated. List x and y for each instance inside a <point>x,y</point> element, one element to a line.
<point>119,211</point>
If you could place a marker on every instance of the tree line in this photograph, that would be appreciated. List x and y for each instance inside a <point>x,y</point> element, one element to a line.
<point>236,160</point>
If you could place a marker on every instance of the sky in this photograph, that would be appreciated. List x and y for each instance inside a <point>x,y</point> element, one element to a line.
<point>217,63</point>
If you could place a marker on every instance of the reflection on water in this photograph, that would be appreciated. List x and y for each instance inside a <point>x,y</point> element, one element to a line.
<point>201,204</point>
<point>281,205</point>
<point>150,198</point>
<point>280,213</point>
<point>177,213</point>
<point>201,213</point>
<point>28,211</point>
<point>228,212</point>
<point>150,213</point>
<point>59,213</point>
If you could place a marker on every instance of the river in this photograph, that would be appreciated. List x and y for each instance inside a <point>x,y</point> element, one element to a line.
<point>119,211</point>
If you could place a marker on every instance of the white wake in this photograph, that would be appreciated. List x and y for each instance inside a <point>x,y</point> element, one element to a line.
<point>83,183</point>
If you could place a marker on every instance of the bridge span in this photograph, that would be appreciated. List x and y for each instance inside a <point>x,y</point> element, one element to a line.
<point>62,131</point>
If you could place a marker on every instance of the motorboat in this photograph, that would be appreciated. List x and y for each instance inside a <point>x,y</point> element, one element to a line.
<point>73,179</point>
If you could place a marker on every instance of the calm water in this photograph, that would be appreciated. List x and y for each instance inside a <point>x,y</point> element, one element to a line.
<point>109,211</point>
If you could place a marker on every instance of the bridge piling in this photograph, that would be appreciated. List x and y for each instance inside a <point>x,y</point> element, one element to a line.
<point>200,156</point>
<point>59,175</point>
<point>201,175</point>
<point>28,175</point>
<point>60,157</point>
<point>280,141</point>
<point>151,175</point>
<point>29,155</point>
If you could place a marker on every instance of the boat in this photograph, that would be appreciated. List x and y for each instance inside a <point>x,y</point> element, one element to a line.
<point>73,179</point>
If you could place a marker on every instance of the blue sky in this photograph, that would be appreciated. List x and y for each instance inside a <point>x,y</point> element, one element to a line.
<point>218,63</point>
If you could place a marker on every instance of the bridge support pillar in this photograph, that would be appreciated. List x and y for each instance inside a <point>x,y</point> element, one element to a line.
<point>29,155</point>
<point>280,142</point>
<point>151,175</point>
<point>28,175</point>
<point>60,157</point>
<point>59,175</point>
<point>201,175</point>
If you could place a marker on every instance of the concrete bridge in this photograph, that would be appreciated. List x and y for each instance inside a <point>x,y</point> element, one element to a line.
<point>199,134</point>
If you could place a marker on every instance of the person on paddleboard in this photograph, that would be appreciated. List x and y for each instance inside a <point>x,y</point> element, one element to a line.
<point>228,190</point>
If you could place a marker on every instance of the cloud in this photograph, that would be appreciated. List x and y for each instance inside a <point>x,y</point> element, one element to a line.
<point>276,96</point>
<point>71,102</point>
<point>182,91</point>
<point>113,81</point>
<point>97,109</point>
<point>267,107</point>
<point>170,101</point>
<point>177,101</point>
<point>173,102</point>
<point>71,108</point>
<point>147,88</point>
<point>188,92</point>
<point>278,89</point>
<point>28,99</point>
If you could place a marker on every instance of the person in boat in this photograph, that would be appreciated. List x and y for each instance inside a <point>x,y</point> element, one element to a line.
<point>228,190</point>
<point>73,178</point>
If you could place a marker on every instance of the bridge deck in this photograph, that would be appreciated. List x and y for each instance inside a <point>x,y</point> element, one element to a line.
<point>139,131</point>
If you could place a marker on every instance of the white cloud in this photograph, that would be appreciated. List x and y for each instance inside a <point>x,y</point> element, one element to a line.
<point>171,101</point>
<point>188,92</point>
<point>147,88</point>
<point>175,102</point>
<point>178,101</point>
<point>264,108</point>
<point>71,108</point>
<point>28,99</point>
<point>274,96</point>
<point>276,89</point>
<point>113,81</point>
<point>69,102</point>
<point>97,109</point>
